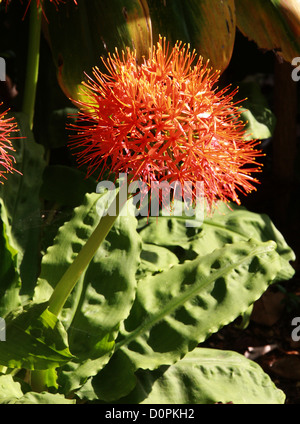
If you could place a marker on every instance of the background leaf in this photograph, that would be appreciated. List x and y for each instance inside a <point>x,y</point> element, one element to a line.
<point>63,188</point>
<point>66,186</point>
<point>272,24</point>
<point>209,27</point>
<point>20,199</point>
<point>260,120</point>
<point>59,120</point>
<point>94,28</point>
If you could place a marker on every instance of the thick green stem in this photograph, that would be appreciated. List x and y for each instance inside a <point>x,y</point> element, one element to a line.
<point>73,273</point>
<point>71,277</point>
<point>33,58</point>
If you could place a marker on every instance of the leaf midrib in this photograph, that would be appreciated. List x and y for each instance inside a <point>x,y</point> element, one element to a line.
<point>190,293</point>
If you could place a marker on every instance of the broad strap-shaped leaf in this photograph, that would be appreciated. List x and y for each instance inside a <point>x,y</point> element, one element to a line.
<point>180,307</point>
<point>208,26</point>
<point>206,376</point>
<point>79,36</point>
<point>20,210</point>
<point>35,339</point>
<point>272,24</point>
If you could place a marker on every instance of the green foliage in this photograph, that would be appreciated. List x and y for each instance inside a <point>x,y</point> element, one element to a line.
<point>152,293</point>
<point>154,290</point>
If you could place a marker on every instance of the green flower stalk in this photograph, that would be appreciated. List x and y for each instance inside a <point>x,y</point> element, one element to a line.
<point>82,260</point>
<point>33,58</point>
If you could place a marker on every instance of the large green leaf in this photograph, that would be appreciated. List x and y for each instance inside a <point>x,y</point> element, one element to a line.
<point>35,339</point>
<point>208,26</point>
<point>20,204</point>
<point>180,307</point>
<point>206,376</point>
<point>272,24</point>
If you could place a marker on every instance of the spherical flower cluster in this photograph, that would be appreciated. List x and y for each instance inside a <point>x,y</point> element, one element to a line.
<point>7,127</point>
<point>163,120</point>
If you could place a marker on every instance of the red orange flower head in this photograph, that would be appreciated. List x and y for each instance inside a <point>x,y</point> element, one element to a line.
<point>7,127</point>
<point>163,120</point>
